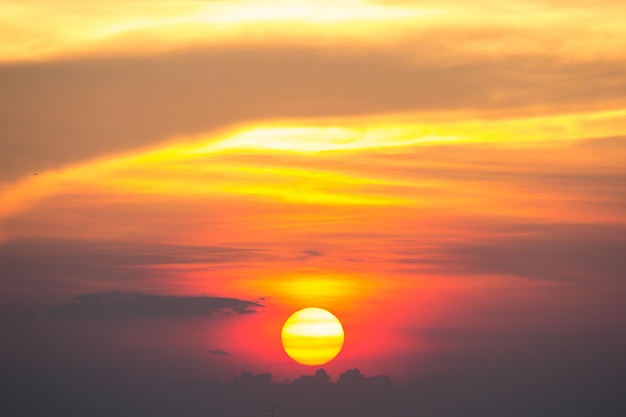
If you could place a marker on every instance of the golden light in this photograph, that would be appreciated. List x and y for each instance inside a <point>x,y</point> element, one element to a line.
<point>111,26</point>
<point>312,336</point>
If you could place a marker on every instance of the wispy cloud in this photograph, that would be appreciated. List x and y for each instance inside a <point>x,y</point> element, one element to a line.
<point>555,252</point>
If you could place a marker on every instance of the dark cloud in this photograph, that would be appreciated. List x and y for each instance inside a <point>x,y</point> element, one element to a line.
<point>250,380</point>
<point>312,253</point>
<point>320,378</point>
<point>219,352</point>
<point>135,304</point>
<point>310,395</point>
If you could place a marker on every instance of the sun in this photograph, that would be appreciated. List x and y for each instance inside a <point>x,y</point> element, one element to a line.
<point>312,336</point>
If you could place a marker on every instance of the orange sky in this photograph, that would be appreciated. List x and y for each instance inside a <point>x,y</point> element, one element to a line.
<point>414,167</point>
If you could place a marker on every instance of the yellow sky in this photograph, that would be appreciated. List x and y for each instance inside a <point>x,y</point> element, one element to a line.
<point>43,28</point>
<point>173,169</point>
<point>288,126</point>
<point>84,80</point>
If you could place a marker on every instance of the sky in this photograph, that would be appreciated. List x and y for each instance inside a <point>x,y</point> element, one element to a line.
<point>447,178</point>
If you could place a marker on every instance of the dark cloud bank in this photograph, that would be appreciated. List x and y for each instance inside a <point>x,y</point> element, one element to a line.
<point>70,392</point>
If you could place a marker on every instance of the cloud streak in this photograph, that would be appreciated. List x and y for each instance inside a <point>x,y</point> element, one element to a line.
<point>140,305</point>
<point>219,352</point>
<point>557,252</point>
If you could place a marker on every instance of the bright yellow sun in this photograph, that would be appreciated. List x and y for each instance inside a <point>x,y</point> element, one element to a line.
<point>312,336</point>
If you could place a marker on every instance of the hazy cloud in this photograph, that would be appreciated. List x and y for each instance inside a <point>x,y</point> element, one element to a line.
<point>586,252</point>
<point>52,252</point>
<point>60,264</point>
<point>120,104</point>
